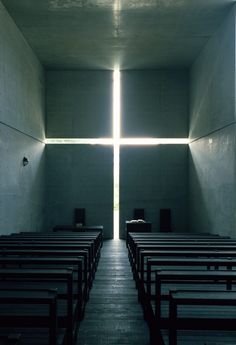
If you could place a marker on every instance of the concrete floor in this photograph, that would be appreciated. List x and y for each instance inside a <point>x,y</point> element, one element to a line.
<point>113,315</point>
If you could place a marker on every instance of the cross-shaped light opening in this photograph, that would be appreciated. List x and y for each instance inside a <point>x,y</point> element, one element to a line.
<point>116,141</point>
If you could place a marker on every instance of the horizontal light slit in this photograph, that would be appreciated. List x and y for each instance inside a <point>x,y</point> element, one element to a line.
<point>153,141</point>
<point>119,141</point>
<point>76,141</point>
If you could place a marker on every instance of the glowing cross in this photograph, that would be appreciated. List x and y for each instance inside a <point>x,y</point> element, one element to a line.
<point>116,141</point>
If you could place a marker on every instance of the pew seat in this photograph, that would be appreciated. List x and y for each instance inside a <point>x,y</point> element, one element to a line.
<point>27,309</point>
<point>60,279</point>
<point>10,339</point>
<point>201,310</point>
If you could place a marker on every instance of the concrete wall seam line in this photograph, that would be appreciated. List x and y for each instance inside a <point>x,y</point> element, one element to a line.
<point>212,132</point>
<point>19,131</point>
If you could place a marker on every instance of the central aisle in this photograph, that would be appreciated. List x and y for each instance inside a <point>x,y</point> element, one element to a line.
<point>113,315</point>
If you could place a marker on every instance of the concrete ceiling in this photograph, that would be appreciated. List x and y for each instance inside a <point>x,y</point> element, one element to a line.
<point>135,34</point>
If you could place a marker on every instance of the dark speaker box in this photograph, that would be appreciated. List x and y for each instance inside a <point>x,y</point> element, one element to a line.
<point>79,218</point>
<point>165,219</point>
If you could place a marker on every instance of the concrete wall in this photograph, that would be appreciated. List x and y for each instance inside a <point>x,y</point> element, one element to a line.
<point>155,103</point>
<point>79,104</point>
<point>80,176</point>
<point>212,175</point>
<point>21,132</point>
<point>154,178</point>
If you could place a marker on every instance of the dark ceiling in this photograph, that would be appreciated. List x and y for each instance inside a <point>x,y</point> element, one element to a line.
<point>134,34</point>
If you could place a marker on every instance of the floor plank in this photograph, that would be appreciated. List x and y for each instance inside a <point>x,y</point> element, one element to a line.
<point>113,315</point>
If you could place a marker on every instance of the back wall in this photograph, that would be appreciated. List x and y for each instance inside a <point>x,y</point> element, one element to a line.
<point>153,104</point>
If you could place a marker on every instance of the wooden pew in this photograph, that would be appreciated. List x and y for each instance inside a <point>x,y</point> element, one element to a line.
<point>177,244</point>
<point>37,250</point>
<point>201,247</point>
<point>68,249</point>
<point>147,281</point>
<point>39,238</point>
<point>218,343</point>
<point>162,263</point>
<point>167,280</point>
<point>80,293</point>
<point>10,339</point>
<point>185,310</point>
<point>147,252</point>
<point>42,253</point>
<point>150,243</point>
<point>73,228</point>
<point>15,313</point>
<point>61,279</point>
<point>140,242</point>
<point>96,236</point>
<point>146,293</point>
<point>132,237</point>
<point>87,229</point>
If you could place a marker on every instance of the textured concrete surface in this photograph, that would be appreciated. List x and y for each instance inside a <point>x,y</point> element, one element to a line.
<point>113,315</point>
<point>154,178</point>
<point>79,176</point>
<point>21,125</point>
<point>155,103</point>
<point>99,34</point>
<point>212,93</point>
<point>212,173</point>
<point>212,183</point>
<point>79,104</point>
<point>21,82</point>
<point>21,187</point>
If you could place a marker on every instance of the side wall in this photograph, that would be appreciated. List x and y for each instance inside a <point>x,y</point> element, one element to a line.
<point>21,132</point>
<point>212,175</point>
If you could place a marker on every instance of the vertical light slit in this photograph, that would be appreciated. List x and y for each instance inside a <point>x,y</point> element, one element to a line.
<point>116,192</point>
<point>116,106</point>
<point>116,163</point>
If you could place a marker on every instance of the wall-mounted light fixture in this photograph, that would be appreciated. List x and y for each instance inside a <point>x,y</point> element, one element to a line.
<point>25,161</point>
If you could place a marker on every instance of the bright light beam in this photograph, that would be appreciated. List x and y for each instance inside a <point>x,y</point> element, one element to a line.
<point>116,158</point>
<point>117,140</point>
<point>153,141</point>
<point>116,106</point>
<point>75,141</point>
<point>116,14</point>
